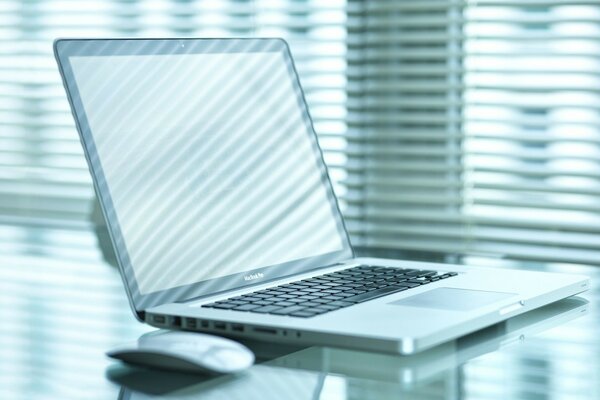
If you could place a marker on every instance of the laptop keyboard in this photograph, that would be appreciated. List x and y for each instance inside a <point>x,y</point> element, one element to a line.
<point>325,293</point>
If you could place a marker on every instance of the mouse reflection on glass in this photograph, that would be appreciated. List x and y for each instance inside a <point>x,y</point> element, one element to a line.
<point>186,351</point>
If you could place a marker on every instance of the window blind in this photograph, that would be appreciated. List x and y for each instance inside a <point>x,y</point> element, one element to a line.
<point>474,127</point>
<point>43,175</point>
<point>532,129</point>
<point>405,77</point>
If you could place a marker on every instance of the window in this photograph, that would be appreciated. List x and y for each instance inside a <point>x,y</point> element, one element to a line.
<point>474,128</point>
<point>532,130</point>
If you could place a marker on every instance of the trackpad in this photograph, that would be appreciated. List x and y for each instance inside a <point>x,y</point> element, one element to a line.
<point>453,299</point>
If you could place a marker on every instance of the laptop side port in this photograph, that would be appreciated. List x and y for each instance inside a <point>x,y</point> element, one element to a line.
<point>237,327</point>
<point>269,331</point>
<point>190,323</point>
<point>220,325</point>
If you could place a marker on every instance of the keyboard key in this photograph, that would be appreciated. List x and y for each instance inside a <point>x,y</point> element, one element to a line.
<point>285,289</point>
<point>354,291</point>
<point>246,307</point>
<point>311,289</point>
<point>298,293</point>
<point>263,303</point>
<point>287,296</point>
<point>278,299</point>
<point>332,298</point>
<point>412,274</point>
<point>251,298</point>
<point>284,303</point>
<point>276,292</point>
<point>287,310</point>
<point>407,284</point>
<point>303,314</point>
<point>354,285</point>
<point>309,304</point>
<point>308,297</point>
<point>359,298</point>
<point>316,310</point>
<point>266,309</point>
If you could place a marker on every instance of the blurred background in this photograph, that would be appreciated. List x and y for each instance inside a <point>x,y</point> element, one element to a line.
<point>455,131</point>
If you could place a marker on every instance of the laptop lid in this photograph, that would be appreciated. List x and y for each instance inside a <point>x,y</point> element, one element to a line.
<point>205,163</point>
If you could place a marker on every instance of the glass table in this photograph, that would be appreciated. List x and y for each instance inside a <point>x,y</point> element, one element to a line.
<point>62,306</point>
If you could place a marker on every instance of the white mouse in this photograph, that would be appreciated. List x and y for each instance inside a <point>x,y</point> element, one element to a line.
<point>186,351</point>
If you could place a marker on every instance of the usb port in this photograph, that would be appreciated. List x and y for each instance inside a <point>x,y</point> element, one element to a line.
<point>159,319</point>
<point>190,322</point>
<point>237,327</point>
<point>220,325</point>
<point>266,330</point>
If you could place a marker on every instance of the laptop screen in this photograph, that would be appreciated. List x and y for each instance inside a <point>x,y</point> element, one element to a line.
<point>210,163</point>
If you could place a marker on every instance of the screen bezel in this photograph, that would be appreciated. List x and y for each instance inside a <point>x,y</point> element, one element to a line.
<point>66,48</point>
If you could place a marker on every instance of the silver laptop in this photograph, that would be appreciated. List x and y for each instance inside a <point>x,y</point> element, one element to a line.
<point>222,215</point>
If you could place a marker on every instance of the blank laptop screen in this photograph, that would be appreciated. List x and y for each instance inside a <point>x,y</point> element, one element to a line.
<point>209,162</point>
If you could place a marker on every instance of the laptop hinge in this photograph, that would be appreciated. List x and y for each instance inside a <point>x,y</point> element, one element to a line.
<point>251,286</point>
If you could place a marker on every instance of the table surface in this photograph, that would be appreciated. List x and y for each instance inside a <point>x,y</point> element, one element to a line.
<point>62,306</point>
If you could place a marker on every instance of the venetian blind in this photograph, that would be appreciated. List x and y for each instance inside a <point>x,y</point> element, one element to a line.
<point>474,127</point>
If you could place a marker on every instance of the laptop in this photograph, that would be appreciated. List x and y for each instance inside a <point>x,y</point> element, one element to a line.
<point>222,215</point>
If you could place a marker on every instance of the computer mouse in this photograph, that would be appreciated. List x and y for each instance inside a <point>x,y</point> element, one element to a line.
<point>186,351</point>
